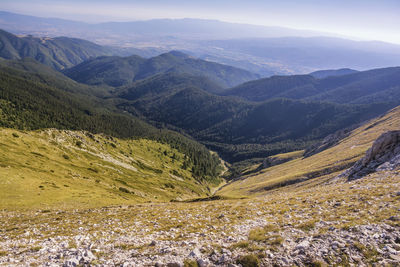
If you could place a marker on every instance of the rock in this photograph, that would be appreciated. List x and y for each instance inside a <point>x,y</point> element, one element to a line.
<point>338,244</point>
<point>195,253</point>
<point>72,262</point>
<point>88,256</point>
<point>395,257</point>
<point>202,263</point>
<point>285,261</point>
<point>356,258</point>
<point>337,204</point>
<point>153,243</point>
<point>272,161</point>
<point>214,257</point>
<point>324,251</point>
<point>394,218</point>
<point>391,250</point>
<point>174,264</point>
<point>303,245</point>
<point>224,258</point>
<point>383,155</point>
<point>328,141</point>
<point>165,250</point>
<point>226,252</point>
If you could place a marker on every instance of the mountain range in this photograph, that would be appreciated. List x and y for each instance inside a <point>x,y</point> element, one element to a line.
<point>252,120</point>
<point>373,86</point>
<point>33,100</point>
<point>327,73</point>
<point>236,128</point>
<point>262,50</point>
<point>299,55</point>
<point>59,53</point>
<point>183,28</point>
<point>157,152</point>
<point>117,71</point>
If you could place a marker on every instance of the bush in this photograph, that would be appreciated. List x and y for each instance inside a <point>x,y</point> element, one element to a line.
<point>93,170</point>
<point>249,261</point>
<point>190,263</point>
<point>123,189</point>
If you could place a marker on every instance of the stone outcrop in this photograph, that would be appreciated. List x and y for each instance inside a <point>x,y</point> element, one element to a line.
<point>328,142</point>
<point>383,155</point>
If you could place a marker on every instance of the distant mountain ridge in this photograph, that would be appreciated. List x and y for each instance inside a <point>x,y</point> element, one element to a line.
<point>187,27</point>
<point>189,95</point>
<point>320,74</point>
<point>373,86</point>
<point>117,71</point>
<point>299,55</point>
<point>59,52</point>
<point>263,50</point>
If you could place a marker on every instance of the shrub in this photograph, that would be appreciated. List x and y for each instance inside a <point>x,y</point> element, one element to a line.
<point>258,234</point>
<point>123,189</point>
<point>93,170</point>
<point>249,261</point>
<point>190,263</point>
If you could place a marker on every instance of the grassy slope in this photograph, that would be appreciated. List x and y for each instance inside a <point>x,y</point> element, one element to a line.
<point>255,226</point>
<point>326,164</point>
<point>36,99</point>
<point>54,168</point>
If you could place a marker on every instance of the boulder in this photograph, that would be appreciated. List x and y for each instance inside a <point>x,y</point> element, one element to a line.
<point>383,155</point>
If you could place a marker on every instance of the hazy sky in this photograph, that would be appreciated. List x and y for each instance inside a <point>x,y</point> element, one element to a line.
<point>364,19</point>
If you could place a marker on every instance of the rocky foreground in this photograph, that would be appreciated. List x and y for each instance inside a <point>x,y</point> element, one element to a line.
<point>345,223</point>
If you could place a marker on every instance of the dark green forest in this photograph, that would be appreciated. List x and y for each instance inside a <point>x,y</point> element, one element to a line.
<point>28,104</point>
<point>184,101</point>
<point>236,128</point>
<point>119,71</point>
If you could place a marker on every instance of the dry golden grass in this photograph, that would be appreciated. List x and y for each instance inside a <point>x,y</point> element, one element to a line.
<point>323,166</point>
<point>53,168</point>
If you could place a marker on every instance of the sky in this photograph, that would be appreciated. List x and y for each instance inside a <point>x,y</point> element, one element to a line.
<point>359,19</point>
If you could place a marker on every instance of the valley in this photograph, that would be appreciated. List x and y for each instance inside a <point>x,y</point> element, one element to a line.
<point>264,50</point>
<point>196,143</point>
<point>321,221</point>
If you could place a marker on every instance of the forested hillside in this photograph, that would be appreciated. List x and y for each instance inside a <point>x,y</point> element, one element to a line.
<point>118,71</point>
<point>28,103</point>
<point>58,53</point>
<point>366,87</point>
<point>238,129</point>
